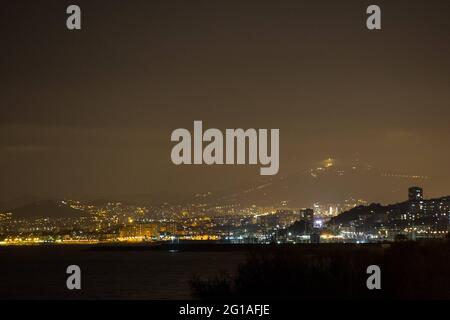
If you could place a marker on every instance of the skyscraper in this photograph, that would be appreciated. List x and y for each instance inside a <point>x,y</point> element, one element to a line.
<point>415,194</point>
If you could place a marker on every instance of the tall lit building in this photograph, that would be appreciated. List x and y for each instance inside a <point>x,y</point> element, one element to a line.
<point>415,194</point>
<point>416,203</point>
<point>308,216</point>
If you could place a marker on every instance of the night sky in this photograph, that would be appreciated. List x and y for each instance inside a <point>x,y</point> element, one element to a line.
<point>90,112</point>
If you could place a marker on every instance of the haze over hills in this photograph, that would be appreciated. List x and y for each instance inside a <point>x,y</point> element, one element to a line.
<point>327,181</point>
<point>45,209</point>
<point>18,202</point>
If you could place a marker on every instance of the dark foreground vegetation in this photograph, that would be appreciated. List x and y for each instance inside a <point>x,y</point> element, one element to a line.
<point>409,270</point>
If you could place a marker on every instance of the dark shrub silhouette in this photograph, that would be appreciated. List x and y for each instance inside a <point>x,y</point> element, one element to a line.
<point>408,271</point>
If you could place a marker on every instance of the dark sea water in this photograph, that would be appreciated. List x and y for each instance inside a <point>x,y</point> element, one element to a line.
<point>39,272</point>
